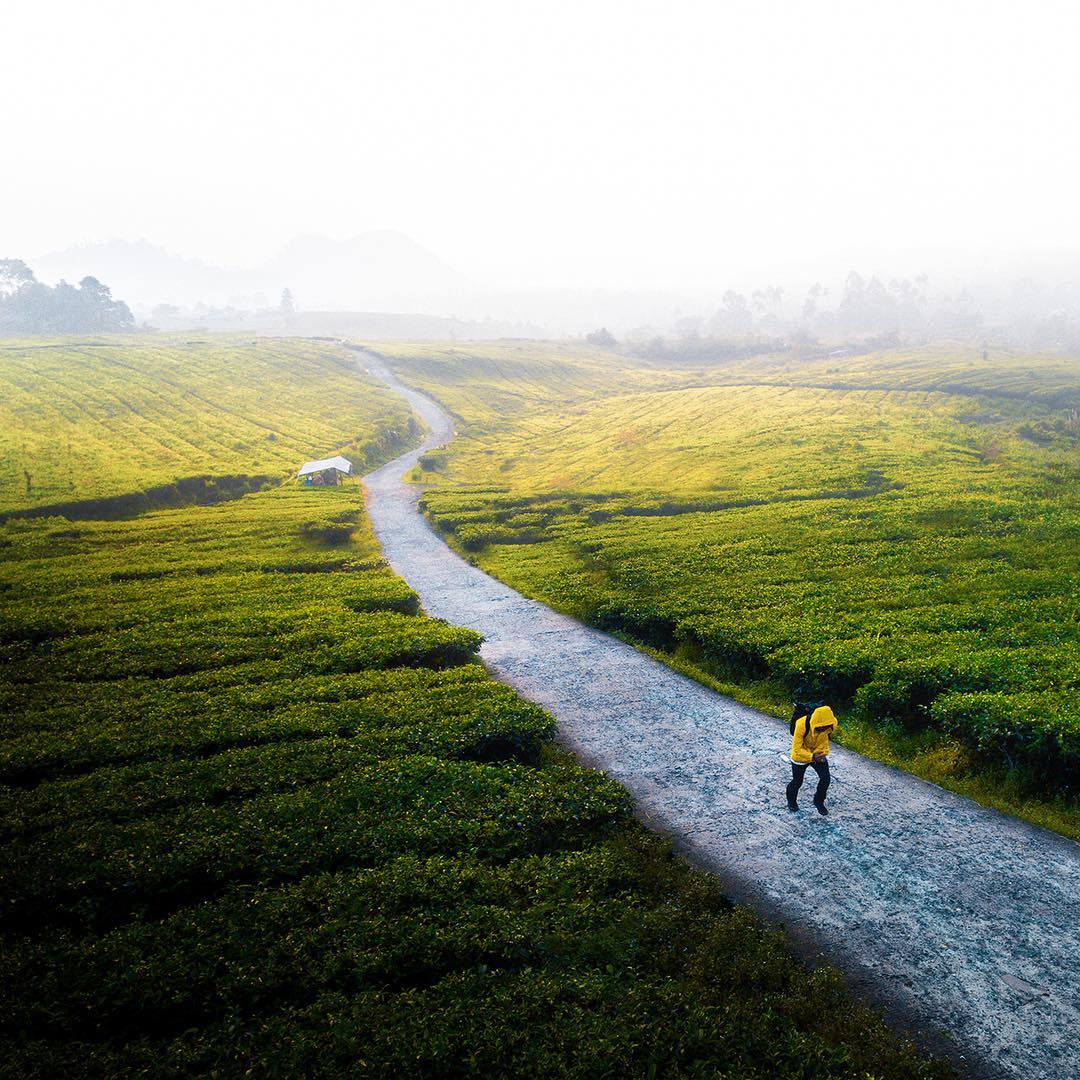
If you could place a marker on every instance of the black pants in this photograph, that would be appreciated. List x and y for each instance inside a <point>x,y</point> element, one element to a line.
<point>798,772</point>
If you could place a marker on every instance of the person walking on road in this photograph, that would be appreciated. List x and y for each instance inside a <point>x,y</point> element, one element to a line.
<point>810,731</point>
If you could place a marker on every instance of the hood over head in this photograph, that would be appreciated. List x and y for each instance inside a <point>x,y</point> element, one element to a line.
<point>823,717</point>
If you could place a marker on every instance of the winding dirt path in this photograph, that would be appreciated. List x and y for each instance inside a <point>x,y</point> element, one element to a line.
<point>955,918</point>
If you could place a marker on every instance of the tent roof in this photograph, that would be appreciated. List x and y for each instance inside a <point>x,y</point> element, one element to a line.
<point>341,464</point>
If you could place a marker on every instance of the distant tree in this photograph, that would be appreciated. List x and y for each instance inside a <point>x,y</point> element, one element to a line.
<point>99,311</point>
<point>770,304</point>
<point>63,310</point>
<point>287,305</point>
<point>810,304</point>
<point>602,337</point>
<point>956,317</point>
<point>768,301</point>
<point>689,326</point>
<point>28,307</point>
<point>734,318</point>
<point>869,307</point>
<point>14,274</point>
<point>26,310</point>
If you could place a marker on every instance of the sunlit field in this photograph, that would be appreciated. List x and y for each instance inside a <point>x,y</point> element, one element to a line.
<point>260,815</point>
<point>897,533</point>
<point>83,419</point>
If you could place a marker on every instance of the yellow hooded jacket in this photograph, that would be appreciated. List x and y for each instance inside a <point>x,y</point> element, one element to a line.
<point>809,738</point>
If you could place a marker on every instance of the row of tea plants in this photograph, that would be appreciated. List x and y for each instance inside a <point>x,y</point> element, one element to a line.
<point>89,420</point>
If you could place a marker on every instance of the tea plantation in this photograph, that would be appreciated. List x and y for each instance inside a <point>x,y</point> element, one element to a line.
<point>260,816</point>
<point>897,533</point>
<point>103,418</point>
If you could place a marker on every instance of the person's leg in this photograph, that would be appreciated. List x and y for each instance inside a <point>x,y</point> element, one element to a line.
<point>798,772</point>
<point>822,769</point>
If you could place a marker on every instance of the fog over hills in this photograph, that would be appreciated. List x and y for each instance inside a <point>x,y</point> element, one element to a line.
<point>143,273</point>
<point>382,270</point>
<point>1018,298</point>
<point>378,269</point>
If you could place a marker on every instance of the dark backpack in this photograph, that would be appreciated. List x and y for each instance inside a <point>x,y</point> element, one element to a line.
<point>804,708</point>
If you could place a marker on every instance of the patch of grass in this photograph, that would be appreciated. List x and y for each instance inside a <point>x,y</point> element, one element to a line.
<point>84,420</point>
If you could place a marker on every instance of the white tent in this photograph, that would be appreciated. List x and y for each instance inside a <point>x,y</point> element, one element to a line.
<point>339,463</point>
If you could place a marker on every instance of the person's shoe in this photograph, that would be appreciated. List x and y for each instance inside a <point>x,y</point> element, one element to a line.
<point>792,806</point>
<point>821,809</point>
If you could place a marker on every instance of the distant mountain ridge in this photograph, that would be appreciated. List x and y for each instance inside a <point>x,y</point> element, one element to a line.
<point>382,265</point>
<point>382,269</point>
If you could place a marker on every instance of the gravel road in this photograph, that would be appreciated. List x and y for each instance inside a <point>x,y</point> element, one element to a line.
<point>954,918</point>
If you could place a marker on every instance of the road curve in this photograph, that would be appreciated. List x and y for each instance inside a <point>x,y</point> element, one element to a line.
<point>955,918</point>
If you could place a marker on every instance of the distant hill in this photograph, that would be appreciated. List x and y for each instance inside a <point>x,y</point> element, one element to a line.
<point>384,269</point>
<point>144,273</point>
<point>375,270</point>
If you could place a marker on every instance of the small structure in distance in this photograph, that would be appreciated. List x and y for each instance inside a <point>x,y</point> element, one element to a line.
<point>325,473</point>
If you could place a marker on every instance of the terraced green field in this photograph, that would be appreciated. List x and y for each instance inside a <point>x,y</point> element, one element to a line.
<point>897,533</point>
<point>90,419</point>
<point>260,816</point>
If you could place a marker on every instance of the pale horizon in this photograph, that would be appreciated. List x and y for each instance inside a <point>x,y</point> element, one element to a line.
<point>616,146</point>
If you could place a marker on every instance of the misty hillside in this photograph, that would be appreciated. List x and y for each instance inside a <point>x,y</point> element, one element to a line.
<point>376,269</point>
<point>372,271</point>
<point>142,272</point>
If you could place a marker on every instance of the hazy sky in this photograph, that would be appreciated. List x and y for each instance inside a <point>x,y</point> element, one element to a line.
<point>587,143</point>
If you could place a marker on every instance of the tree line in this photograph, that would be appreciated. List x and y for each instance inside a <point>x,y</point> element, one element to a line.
<point>27,306</point>
<point>866,307</point>
<point>868,313</point>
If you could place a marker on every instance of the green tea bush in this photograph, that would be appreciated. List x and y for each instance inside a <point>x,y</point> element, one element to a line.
<point>1027,730</point>
<point>96,874</point>
<point>448,707</point>
<point>328,531</point>
<point>473,536</point>
<point>725,642</point>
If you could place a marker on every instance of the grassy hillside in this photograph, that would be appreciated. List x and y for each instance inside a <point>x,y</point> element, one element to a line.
<point>909,553</point>
<point>259,816</point>
<point>1003,374</point>
<point>487,383</point>
<point>87,419</point>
